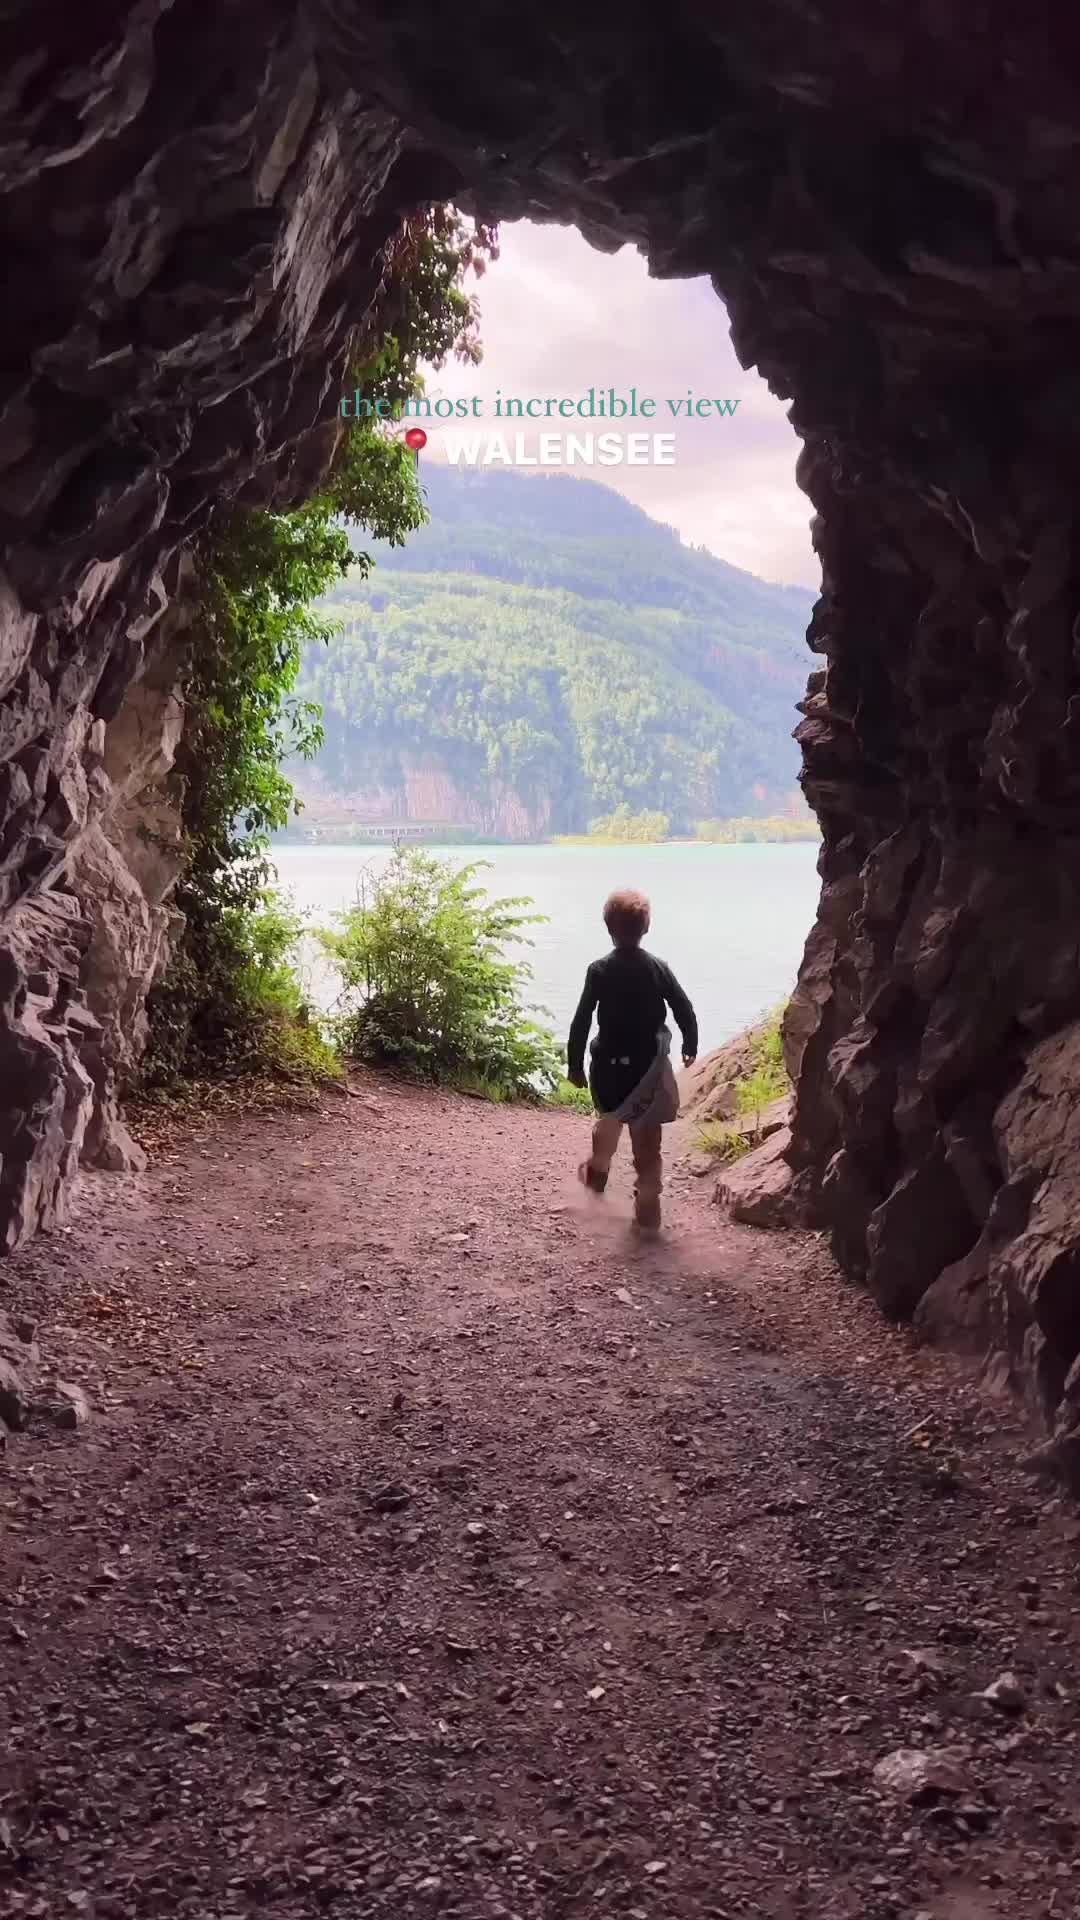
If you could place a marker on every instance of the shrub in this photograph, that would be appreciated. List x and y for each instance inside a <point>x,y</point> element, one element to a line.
<point>427,985</point>
<point>723,1140</point>
<point>565,1094</point>
<point>232,1003</point>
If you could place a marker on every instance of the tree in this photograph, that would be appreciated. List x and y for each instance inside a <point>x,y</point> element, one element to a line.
<point>257,574</point>
<point>634,828</point>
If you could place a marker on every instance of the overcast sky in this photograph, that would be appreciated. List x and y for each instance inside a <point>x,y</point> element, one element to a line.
<point>557,317</point>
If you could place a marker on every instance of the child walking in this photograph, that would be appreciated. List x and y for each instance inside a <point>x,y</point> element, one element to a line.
<point>630,1074</point>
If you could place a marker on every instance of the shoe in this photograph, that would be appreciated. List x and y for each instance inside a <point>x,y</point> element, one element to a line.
<point>646,1218</point>
<point>587,1174</point>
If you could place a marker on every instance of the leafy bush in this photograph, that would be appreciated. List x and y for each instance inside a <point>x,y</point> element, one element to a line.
<point>427,985</point>
<point>231,1002</point>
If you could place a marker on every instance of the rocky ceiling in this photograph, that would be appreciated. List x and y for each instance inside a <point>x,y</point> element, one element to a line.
<point>195,201</point>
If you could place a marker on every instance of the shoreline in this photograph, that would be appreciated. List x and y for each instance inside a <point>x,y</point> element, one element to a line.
<point>344,836</point>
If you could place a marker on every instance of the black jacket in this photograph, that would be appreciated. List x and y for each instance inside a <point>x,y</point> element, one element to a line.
<point>630,991</point>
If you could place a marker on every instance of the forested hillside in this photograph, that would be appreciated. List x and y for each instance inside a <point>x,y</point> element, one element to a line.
<point>543,652</point>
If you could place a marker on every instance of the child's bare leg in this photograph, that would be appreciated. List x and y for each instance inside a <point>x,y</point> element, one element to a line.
<point>605,1138</point>
<point>647,1145</point>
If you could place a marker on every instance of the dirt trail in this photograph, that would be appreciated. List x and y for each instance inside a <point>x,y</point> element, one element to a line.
<point>436,1549</point>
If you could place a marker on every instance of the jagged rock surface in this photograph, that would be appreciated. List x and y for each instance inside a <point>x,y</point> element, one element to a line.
<point>123,871</point>
<point>18,1359</point>
<point>757,1190</point>
<point>195,208</point>
<point>27,1393</point>
<point>186,264</point>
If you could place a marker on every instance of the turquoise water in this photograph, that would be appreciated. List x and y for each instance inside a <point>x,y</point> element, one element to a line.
<point>731,921</point>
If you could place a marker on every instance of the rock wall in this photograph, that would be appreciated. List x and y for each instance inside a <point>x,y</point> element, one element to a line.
<point>195,206</point>
<point>81,953</point>
<point>192,237</point>
<point>122,870</point>
<point>940,751</point>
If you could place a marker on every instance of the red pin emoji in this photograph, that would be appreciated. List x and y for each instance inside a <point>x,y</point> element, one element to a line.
<point>416,438</point>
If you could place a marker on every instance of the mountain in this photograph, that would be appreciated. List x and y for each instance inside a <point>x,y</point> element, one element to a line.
<point>542,652</point>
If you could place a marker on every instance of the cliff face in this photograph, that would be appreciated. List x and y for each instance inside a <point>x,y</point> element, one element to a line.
<point>422,791</point>
<point>192,231</point>
<point>556,653</point>
<point>194,203</point>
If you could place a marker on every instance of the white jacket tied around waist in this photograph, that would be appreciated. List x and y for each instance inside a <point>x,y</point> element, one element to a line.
<point>654,1102</point>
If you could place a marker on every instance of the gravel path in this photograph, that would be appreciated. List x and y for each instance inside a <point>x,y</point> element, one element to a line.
<point>435,1548</point>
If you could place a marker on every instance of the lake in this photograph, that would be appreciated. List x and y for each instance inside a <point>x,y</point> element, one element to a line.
<point>730,920</point>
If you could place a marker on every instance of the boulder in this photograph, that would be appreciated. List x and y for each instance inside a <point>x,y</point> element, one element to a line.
<point>923,1774</point>
<point>709,1098</point>
<point>18,1342</point>
<point>757,1190</point>
<point>24,1396</point>
<point>707,1089</point>
<point>18,1358</point>
<point>64,1405</point>
<point>14,1396</point>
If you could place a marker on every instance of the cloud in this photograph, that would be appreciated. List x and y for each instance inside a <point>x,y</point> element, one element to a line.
<point>557,317</point>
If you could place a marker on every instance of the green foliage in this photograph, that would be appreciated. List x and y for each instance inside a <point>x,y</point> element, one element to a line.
<point>637,828</point>
<point>723,1140</point>
<point>427,985</point>
<point>372,483</point>
<point>564,646</point>
<point>769,1051</point>
<point>428,315</point>
<point>756,1091</point>
<point>256,574</point>
<point>565,1094</point>
<point>229,1001</point>
<point>776,827</point>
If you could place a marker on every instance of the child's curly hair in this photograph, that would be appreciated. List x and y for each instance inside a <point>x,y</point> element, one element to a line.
<point>626,916</point>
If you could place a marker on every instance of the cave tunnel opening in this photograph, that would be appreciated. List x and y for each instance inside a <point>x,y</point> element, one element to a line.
<point>590,659</point>
<point>194,236</point>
